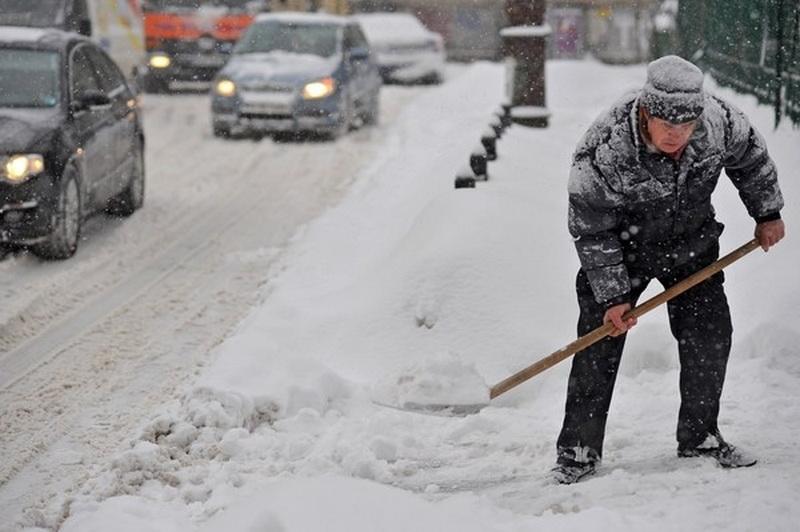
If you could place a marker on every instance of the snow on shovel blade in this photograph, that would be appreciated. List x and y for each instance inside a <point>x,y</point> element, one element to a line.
<point>443,386</point>
<point>444,410</point>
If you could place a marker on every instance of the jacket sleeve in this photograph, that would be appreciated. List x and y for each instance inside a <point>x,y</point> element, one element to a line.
<point>749,166</point>
<point>594,220</point>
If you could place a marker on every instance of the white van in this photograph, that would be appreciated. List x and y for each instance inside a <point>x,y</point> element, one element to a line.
<point>116,25</point>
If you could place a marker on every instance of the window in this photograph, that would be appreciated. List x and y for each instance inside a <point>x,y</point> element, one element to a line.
<point>29,78</point>
<point>296,38</point>
<point>80,11</point>
<point>108,75</point>
<point>34,13</point>
<point>82,78</point>
<point>356,37</point>
<point>78,19</point>
<point>156,5</point>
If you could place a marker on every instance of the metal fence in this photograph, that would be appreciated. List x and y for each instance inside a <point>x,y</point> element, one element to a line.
<point>752,46</point>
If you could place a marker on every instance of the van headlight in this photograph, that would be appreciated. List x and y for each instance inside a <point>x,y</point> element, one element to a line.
<point>19,168</point>
<point>319,89</point>
<point>225,87</point>
<point>160,61</point>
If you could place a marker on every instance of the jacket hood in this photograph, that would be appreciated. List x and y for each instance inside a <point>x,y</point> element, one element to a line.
<point>278,68</point>
<point>26,131</point>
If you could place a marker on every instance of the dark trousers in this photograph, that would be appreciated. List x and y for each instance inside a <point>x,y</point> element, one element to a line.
<point>700,322</point>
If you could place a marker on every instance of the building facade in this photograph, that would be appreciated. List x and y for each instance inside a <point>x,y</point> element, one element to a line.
<point>614,31</point>
<point>330,6</point>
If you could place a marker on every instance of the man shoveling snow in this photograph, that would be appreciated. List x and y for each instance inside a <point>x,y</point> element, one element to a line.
<point>640,209</point>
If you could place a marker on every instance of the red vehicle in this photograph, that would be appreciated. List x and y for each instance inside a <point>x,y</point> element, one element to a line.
<point>190,40</point>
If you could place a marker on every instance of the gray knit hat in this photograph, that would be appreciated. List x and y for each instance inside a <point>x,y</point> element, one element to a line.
<point>674,90</point>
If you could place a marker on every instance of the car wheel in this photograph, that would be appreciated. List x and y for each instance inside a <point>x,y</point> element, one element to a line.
<point>62,241</point>
<point>155,85</point>
<point>132,198</point>
<point>372,116</point>
<point>221,131</point>
<point>347,118</point>
<point>433,79</point>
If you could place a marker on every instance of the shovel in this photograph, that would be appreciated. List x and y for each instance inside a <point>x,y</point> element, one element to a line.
<point>584,341</point>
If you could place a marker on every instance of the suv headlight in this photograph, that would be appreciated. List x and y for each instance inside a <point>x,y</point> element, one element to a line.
<point>19,168</point>
<point>160,60</point>
<point>225,87</point>
<point>319,89</point>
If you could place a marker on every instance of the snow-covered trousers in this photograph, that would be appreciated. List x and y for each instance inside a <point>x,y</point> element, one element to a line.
<point>700,322</point>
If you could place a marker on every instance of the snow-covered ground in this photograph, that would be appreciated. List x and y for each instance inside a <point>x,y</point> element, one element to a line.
<point>280,432</point>
<point>92,346</point>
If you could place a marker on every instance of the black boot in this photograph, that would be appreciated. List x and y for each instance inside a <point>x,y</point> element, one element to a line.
<point>569,473</point>
<point>724,453</point>
<point>573,464</point>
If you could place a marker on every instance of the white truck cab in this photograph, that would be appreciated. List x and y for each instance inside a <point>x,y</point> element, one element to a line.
<point>116,25</point>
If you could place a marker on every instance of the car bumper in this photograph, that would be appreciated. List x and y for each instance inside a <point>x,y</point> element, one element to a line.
<point>26,211</point>
<point>189,68</point>
<point>409,67</point>
<point>295,116</point>
<point>277,124</point>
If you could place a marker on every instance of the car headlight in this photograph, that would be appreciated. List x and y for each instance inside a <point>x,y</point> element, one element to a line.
<point>19,168</point>
<point>160,61</point>
<point>319,89</point>
<point>225,87</point>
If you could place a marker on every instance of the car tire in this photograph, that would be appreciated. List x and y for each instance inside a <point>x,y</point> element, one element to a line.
<point>347,119</point>
<point>372,116</point>
<point>433,79</point>
<point>155,85</point>
<point>132,198</point>
<point>65,232</point>
<point>223,132</point>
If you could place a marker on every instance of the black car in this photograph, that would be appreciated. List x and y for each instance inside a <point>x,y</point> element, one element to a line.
<point>71,139</point>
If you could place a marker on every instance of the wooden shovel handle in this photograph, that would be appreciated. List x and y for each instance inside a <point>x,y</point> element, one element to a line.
<point>604,330</point>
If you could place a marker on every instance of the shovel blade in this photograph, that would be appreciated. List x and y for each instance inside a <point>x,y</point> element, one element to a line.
<point>446,410</point>
<point>438,409</point>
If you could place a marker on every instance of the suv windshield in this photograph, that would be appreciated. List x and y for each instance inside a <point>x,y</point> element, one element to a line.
<point>37,14</point>
<point>194,4</point>
<point>297,38</point>
<point>29,78</point>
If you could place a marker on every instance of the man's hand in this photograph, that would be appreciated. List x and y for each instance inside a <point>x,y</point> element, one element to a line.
<point>614,315</point>
<point>769,233</point>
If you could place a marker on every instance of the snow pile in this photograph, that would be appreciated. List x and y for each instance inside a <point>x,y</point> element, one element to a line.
<point>128,514</point>
<point>280,433</point>
<point>442,381</point>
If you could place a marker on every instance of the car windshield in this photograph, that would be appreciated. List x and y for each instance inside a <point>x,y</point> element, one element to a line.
<point>193,4</point>
<point>37,14</point>
<point>293,37</point>
<point>29,78</point>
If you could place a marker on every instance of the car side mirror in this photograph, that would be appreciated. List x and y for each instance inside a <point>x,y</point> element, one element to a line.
<point>359,53</point>
<point>89,99</point>
<point>85,27</point>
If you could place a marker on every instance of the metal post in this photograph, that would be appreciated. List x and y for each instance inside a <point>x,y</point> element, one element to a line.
<point>525,45</point>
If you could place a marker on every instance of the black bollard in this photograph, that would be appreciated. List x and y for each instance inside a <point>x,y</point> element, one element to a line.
<point>489,141</point>
<point>465,179</point>
<point>478,161</point>
<point>497,126</point>
<point>504,116</point>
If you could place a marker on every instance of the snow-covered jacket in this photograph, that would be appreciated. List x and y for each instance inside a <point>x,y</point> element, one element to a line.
<point>632,208</point>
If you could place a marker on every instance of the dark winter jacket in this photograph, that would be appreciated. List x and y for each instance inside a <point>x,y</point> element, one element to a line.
<point>635,210</point>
